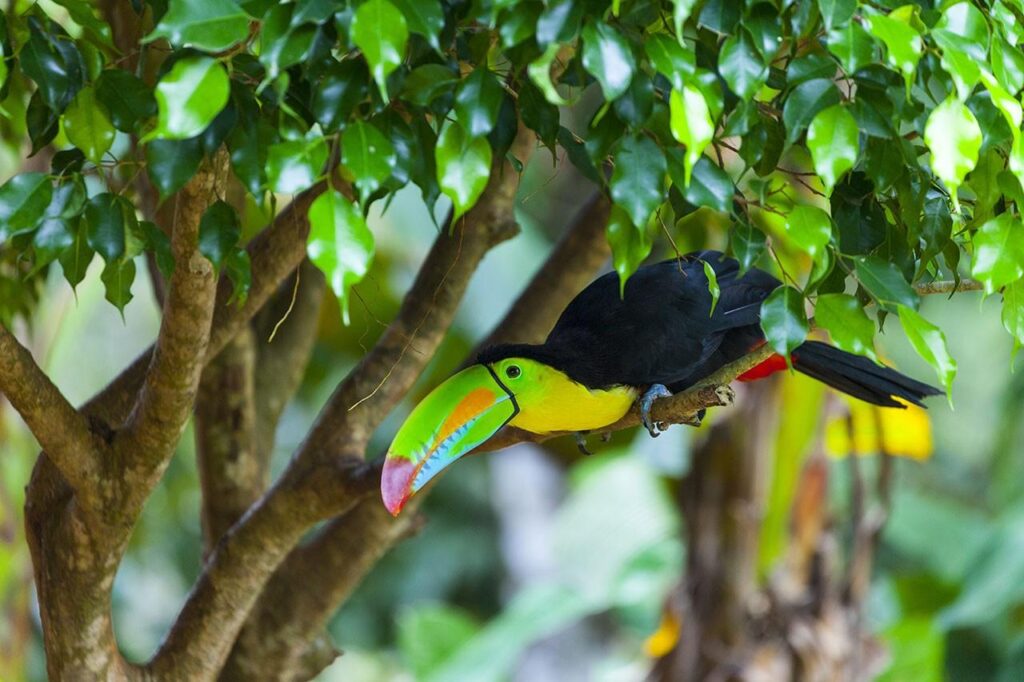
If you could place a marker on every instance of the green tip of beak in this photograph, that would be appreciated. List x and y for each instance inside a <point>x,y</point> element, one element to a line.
<point>454,418</point>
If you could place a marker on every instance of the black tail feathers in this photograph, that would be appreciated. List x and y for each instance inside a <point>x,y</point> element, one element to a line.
<point>859,376</point>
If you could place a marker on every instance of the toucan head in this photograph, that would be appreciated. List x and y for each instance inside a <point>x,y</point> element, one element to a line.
<point>454,418</point>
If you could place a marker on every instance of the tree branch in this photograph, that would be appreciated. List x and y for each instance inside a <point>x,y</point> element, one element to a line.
<point>231,473</point>
<point>165,400</point>
<point>948,287</point>
<point>61,430</point>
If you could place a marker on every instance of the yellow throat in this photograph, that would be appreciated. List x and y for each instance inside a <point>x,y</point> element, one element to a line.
<point>550,401</point>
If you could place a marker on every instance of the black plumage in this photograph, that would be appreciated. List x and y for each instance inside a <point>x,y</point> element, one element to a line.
<point>660,332</point>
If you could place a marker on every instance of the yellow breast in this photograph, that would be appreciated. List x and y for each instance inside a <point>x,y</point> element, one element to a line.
<point>557,403</point>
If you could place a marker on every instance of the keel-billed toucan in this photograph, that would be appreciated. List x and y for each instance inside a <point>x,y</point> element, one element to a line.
<point>605,352</point>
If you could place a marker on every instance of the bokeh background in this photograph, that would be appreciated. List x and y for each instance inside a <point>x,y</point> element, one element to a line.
<point>539,564</point>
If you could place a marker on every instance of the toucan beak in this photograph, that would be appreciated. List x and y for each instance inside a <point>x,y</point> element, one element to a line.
<point>454,418</point>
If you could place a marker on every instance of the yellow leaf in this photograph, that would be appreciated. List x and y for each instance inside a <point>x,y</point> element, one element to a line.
<point>904,433</point>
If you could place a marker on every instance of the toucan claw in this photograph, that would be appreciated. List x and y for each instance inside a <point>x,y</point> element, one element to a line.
<point>653,393</point>
<point>581,442</point>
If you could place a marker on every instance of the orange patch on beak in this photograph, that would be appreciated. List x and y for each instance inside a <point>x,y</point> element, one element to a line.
<point>473,404</point>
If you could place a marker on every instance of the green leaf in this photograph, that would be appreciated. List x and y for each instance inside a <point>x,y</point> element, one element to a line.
<point>343,87</point>
<point>674,61</point>
<point>638,181</point>
<point>713,288</point>
<point>463,166</point>
<point>23,201</point>
<point>117,278</point>
<point>478,101</point>
<point>68,198</point>
<point>105,221</point>
<point>238,268</point>
<point>379,29</point>
<point>884,281</point>
<point>721,16</point>
<point>930,343</point>
<point>49,241</point>
<point>189,97</point>
<point>608,57</point>
<point>847,323</point>
<point>962,25</point>
<point>54,63</point>
<point>172,163</point>
<point>159,243</point>
<point>340,243</point>
<point>742,66</point>
<point>999,252</point>
<point>1007,64</point>
<point>836,12</point>
<point>219,231</point>
<point>954,138</point>
<point>212,25</point>
<point>559,22</point>
<point>429,634</point>
<point>1013,310</point>
<point>681,11</point>
<point>75,260</point>
<point>539,71</point>
<point>87,126</point>
<point>294,165</point>
<point>127,99</point>
<point>369,155</point>
<point>804,103</point>
<point>747,244</point>
<point>691,124</point>
<point>851,44</point>
<point>809,228</point>
<point>784,321</point>
<point>425,17</point>
<point>833,141</point>
<point>902,41</point>
<point>41,122</point>
<point>709,185</point>
<point>630,244</point>
<point>283,42</point>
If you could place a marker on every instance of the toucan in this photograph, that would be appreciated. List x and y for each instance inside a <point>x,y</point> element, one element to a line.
<point>658,335</point>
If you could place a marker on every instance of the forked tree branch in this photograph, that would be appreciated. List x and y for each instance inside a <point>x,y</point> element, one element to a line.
<point>327,475</point>
<point>61,430</point>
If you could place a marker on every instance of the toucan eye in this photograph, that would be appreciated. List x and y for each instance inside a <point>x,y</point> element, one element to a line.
<point>513,371</point>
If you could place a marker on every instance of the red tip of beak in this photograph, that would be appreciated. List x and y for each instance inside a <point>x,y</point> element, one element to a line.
<point>396,483</point>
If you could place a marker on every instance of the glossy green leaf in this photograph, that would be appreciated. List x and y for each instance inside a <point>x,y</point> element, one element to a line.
<point>884,281</point>
<point>75,260</point>
<point>681,10</point>
<point>283,43</point>
<point>68,198</point>
<point>709,185</point>
<point>713,288</point>
<point>539,71</point>
<point>379,29</point>
<point>54,63</point>
<point>608,57</point>
<point>691,124</point>
<point>425,17</point>
<point>836,12</point>
<point>172,163</point>
<point>1013,310</point>
<point>783,320</point>
<point>369,155</point>
<point>53,237</point>
<point>809,228</point>
<point>23,201</point>
<point>954,138</point>
<point>902,40</point>
<point>559,22</point>
<point>41,122</point>
<point>126,98</point>
<point>105,223</point>
<point>87,126</point>
<point>747,244</point>
<point>157,241</point>
<point>962,25</point>
<point>742,66</point>
<point>847,323</point>
<point>294,165</point>
<point>930,343</point>
<point>212,25</point>
<point>999,252</point>
<point>340,243</point>
<point>478,100</point>
<point>638,180</point>
<point>219,231</point>
<point>804,103</point>
<point>117,278</point>
<point>674,61</point>
<point>851,44</point>
<point>189,97</point>
<point>1007,64</point>
<point>343,86</point>
<point>834,142</point>
<point>630,244</point>
<point>463,166</point>
<point>238,268</point>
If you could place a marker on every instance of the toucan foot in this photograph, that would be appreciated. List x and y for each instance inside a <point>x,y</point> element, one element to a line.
<point>581,442</point>
<point>653,393</point>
